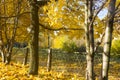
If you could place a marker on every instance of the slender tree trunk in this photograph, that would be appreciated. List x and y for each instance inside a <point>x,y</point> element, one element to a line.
<point>1,45</point>
<point>89,40</point>
<point>90,56</point>
<point>34,57</point>
<point>8,53</point>
<point>1,41</point>
<point>2,54</point>
<point>49,62</point>
<point>108,40</point>
<point>26,55</point>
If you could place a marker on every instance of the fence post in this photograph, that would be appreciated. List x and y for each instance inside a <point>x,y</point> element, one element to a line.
<point>49,62</point>
<point>26,50</point>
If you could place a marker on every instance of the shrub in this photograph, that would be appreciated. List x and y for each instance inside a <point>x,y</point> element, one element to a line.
<point>69,47</point>
<point>82,48</point>
<point>115,49</point>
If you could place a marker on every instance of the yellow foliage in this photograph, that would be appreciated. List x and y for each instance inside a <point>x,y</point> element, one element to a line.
<point>60,15</point>
<point>59,40</point>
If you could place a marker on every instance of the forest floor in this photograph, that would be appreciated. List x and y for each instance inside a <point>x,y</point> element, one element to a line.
<point>61,70</point>
<point>17,71</point>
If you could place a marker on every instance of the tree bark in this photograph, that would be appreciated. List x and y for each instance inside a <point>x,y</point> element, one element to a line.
<point>1,41</point>
<point>34,57</point>
<point>49,62</point>
<point>108,40</point>
<point>89,34</point>
<point>26,55</point>
<point>8,53</point>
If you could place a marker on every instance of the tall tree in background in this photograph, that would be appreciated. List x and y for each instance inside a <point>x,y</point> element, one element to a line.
<point>108,39</point>
<point>34,57</point>
<point>1,40</point>
<point>8,32</point>
<point>49,62</point>
<point>10,42</point>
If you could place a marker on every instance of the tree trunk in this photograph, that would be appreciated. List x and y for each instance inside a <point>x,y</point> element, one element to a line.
<point>2,47</point>
<point>34,57</point>
<point>49,62</point>
<point>26,56</point>
<point>2,55</point>
<point>8,53</point>
<point>1,42</point>
<point>108,40</point>
<point>89,40</point>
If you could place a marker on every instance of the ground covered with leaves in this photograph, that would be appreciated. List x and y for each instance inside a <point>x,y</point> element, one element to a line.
<point>65,66</point>
<point>17,71</point>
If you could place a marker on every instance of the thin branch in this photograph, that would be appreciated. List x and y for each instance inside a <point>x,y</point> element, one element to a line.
<point>93,19</point>
<point>118,20</point>
<point>99,42</point>
<point>6,17</point>
<point>113,15</point>
<point>117,6</point>
<point>58,29</point>
<point>117,11</point>
<point>118,30</point>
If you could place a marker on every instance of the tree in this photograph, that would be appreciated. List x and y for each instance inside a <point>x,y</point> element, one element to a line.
<point>34,57</point>
<point>10,42</point>
<point>65,16</point>
<point>89,35</point>
<point>108,39</point>
<point>90,16</point>
<point>1,42</point>
<point>8,32</point>
<point>26,50</point>
<point>49,62</point>
<point>34,19</point>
